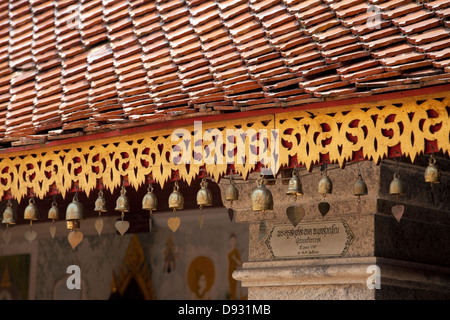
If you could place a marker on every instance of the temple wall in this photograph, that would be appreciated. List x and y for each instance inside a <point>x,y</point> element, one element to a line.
<point>195,252</point>
<point>410,256</point>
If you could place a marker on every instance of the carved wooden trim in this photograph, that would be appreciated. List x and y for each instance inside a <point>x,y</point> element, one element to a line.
<point>365,131</point>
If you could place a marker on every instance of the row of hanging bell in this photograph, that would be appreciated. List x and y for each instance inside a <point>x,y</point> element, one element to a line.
<point>261,198</point>
<point>75,213</point>
<point>432,175</point>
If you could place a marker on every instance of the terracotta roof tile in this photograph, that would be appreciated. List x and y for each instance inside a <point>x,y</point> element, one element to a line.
<point>438,4</point>
<point>440,54</point>
<point>412,18</point>
<point>421,26</point>
<point>392,50</point>
<point>401,10</point>
<point>428,36</point>
<point>443,13</point>
<point>312,12</point>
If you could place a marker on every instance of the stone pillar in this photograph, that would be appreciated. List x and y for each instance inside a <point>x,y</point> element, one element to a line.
<point>408,259</point>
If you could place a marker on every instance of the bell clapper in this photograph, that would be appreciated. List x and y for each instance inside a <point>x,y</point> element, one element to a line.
<point>325,187</point>
<point>200,217</point>
<point>150,220</point>
<point>150,203</point>
<point>7,234</point>
<point>231,194</point>
<point>262,229</point>
<point>396,189</point>
<point>52,229</point>
<point>359,189</point>
<point>295,213</point>
<point>358,206</point>
<point>31,213</point>
<point>204,198</point>
<point>53,214</point>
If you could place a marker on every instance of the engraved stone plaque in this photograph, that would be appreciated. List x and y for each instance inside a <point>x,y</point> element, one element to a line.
<point>310,239</point>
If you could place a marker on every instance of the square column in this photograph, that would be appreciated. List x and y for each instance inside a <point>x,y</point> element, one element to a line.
<point>368,255</point>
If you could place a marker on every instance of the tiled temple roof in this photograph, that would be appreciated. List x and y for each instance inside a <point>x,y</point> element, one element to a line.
<point>70,67</point>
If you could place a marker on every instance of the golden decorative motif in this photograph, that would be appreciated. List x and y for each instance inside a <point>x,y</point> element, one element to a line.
<point>370,130</point>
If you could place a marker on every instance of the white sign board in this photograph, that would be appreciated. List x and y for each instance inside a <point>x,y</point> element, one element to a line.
<point>310,239</point>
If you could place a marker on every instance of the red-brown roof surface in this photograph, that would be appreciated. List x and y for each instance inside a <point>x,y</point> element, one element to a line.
<point>71,67</point>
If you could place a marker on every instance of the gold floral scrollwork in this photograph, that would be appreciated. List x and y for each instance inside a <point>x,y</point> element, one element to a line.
<point>371,130</point>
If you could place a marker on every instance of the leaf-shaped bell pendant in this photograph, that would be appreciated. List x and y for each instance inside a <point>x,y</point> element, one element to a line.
<point>8,215</point>
<point>261,198</point>
<point>176,200</point>
<point>204,195</point>
<point>432,172</point>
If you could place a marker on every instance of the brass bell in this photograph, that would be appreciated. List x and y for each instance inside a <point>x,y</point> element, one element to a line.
<point>325,185</point>
<point>75,210</point>
<point>360,187</point>
<point>100,203</point>
<point>176,200</point>
<point>31,211</point>
<point>122,203</point>
<point>396,187</point>
<point>232,193</point>
<point>295,185</point>
<point>204,195</point>
<point>8,214</point>
<point>261,198</point>
<point>150,201</point>
<point>53,212</point>
<point>432,172</point>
